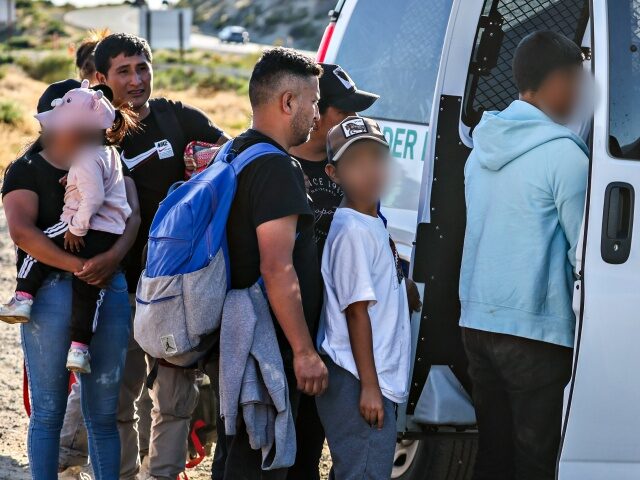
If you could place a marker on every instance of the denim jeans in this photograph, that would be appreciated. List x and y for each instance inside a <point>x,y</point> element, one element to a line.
<point>134,417</point>
<point>518,386</point>
<point>45,341</point>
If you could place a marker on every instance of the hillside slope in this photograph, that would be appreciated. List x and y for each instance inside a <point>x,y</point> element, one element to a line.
<point>296,23</point>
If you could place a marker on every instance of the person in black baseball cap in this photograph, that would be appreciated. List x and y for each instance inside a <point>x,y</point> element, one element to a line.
<point>339,99</point>
<point>339,91</point>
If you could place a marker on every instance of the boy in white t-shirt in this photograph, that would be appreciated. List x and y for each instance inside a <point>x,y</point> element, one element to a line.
<point>364,332</point>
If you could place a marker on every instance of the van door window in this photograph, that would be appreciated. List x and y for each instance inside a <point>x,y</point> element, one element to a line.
<point>624,78</point>
<point>393,49</point>
<point>503,24</point>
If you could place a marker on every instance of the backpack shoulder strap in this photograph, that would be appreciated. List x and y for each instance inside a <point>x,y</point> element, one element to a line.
<point>224,153</point>
<point>252,153</point>
<point>168,122</point>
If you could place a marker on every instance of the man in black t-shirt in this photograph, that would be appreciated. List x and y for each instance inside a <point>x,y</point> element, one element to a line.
<point>270,231</point>
<point>339,99</point>
<point>153,157</point>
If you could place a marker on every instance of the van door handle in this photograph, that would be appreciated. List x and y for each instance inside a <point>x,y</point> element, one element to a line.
<point>617,223</point>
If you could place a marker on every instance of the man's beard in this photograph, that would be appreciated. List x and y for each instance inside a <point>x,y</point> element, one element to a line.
<point>300,130</point>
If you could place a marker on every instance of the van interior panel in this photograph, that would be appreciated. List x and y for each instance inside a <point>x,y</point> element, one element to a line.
<point>490,84</point>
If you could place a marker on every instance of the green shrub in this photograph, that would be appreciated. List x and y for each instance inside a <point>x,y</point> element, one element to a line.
<point>175,78</point>
<point>49,69</point>
<point>55,27</point>
<point>10,112</point>
<point>5,59</point>
<point>22,41</point>
<point>218,82</point>
<point>183,78</point>
<point>272,20</point>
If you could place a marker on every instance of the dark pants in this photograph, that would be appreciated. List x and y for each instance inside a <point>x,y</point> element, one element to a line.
<point>310,441</point>
<point>244,463</point>
<point>212,369</point>
<point>518,387</point>
<point>86,298</point>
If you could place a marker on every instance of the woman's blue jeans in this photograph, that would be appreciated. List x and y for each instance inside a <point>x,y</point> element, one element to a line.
<point>45,342</point>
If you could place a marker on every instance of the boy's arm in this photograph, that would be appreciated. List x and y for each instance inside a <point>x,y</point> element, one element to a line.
<point>276,240</point>
<point>360,337</point>
<point>569,183</point>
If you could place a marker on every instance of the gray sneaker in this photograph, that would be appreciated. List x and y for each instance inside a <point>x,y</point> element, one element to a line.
<point>78,361</point>
<point>16,311</point>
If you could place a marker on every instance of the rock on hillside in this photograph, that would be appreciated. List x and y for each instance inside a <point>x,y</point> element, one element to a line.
<point>296,23</point>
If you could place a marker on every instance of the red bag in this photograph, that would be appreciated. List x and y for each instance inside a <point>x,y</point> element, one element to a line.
<point>197,157</point>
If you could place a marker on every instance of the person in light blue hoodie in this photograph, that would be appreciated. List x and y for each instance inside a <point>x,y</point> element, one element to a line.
<point>525,183</point>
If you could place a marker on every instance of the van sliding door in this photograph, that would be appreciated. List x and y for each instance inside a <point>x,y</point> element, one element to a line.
<point>601,437</point>
<point>475,76</point>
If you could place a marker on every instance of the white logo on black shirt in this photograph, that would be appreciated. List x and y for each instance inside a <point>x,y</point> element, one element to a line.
<point>138,159</point>
<point>164,148</point>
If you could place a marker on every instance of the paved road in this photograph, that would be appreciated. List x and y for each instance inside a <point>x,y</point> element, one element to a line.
<point>126,19</point>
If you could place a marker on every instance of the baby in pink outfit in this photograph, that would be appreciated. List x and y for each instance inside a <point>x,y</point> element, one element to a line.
<point>94,214</point>
<point>95,197</point>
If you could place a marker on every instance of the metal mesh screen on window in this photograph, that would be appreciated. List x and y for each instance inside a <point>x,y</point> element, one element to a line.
<point>521,17</point>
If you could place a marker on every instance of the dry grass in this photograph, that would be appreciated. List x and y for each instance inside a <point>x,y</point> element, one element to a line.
<point>227,109</point>
<point>17,87</point>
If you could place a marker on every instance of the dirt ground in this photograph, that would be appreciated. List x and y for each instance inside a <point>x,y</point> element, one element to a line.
<point>13,419</point>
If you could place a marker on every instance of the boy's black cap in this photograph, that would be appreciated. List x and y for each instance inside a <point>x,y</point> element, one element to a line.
<point>59,89</point>
<point>338,90</point>
<point>349,131</point>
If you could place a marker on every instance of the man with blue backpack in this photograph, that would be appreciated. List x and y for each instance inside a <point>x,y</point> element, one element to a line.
<point>231,251</point>
<point>270,230</point>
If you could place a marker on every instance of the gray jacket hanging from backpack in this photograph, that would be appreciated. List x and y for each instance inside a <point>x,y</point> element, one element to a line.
<point>253,384</point>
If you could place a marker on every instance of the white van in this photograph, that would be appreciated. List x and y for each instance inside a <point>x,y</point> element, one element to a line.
<point>390,48</point>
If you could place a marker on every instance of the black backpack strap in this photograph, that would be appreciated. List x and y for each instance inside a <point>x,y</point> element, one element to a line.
<point>168,122</point>
<point>153,374</point>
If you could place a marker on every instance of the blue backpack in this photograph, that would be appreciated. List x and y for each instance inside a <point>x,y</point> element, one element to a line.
<point>181,292</point>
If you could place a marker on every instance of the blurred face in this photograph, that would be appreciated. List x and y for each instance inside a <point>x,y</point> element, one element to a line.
<point>362,171</point>
<point>304,110</point>
<point>63,145</point>
<point>130,78</point>
<point>558,95</point>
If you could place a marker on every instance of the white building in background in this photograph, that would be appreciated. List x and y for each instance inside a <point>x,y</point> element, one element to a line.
<point>7,12</point>
<point>167,28</point>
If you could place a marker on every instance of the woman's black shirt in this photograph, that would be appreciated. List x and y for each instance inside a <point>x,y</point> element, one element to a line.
<point>34,173</point>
